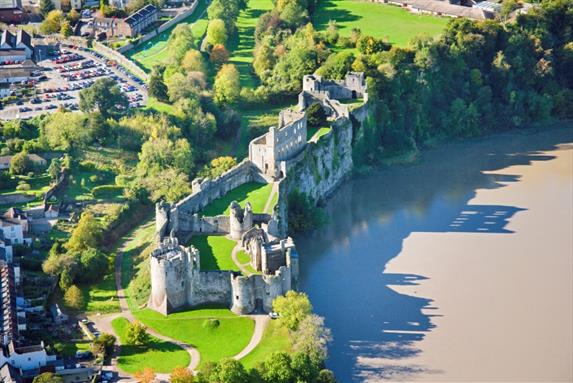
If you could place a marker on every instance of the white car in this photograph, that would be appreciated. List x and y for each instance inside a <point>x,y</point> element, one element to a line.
<point>274,315</point>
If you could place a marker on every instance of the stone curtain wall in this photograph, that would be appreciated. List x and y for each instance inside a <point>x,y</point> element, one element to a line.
<point>204,192</point>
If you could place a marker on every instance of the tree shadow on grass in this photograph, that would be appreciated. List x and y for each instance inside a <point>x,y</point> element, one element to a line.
<point>328,10</point>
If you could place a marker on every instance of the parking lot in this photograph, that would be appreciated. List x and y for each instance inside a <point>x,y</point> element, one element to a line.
<point>63,76</point>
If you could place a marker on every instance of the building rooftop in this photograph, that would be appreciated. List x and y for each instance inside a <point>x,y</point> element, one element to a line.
<point>141,14</point>
<point>10,4</point>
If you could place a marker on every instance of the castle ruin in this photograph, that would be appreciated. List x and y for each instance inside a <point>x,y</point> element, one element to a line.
<point>177,280</point>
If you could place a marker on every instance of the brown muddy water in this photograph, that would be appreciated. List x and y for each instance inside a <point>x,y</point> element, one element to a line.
<point>459,268</point>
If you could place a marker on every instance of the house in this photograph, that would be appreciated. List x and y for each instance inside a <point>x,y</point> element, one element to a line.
<point>51,210</point>
<point>19,216</point>
<point>6,251</point>
<point>34,158</point>
<point>5,90</point>
<point>57,315</point>
<point>15,47</point>
<point>130,26</point>
<point>442,8</point>
<point>11,11</point>
<point>13,232</point>
<point>15,75</point>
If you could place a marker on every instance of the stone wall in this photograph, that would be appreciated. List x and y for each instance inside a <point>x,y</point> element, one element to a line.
<point>204,192</point>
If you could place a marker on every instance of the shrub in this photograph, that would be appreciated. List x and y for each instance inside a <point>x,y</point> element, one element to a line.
<point>94,178</point>
<point>23,186</point>
<point>107,191</point>
<point>211,323</point>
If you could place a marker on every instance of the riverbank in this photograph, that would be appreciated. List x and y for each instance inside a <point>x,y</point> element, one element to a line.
<point>456,268</point>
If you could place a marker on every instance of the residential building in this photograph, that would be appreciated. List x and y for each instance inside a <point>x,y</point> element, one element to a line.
<point>11,11</point>
<point>15,47</point>
<point>15,75</point>
<point>35,159</point>
<point>130,26</point>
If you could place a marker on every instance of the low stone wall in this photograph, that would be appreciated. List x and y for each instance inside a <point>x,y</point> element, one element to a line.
<point>121,59</point>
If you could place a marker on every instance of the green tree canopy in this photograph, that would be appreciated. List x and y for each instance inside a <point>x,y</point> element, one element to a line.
<point>227,86</point>
<point>104,95</point>
<point>293,308</point>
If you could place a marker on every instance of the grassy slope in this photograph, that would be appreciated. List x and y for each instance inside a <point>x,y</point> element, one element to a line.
<point>154,51</point>
<point>226,340</point>
<point>255,193</point>
<point>379,20</point>
<point>215,252</point>
<point>275,338</point>
<point>243,44</point>
<point>162,356</point>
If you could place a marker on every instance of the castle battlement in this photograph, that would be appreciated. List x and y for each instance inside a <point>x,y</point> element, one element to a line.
<point>177,280</point>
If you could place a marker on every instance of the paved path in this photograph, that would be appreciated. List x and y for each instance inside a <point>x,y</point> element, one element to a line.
<point>242,267</point>
<point>274,190</point>
<point>261,322</point>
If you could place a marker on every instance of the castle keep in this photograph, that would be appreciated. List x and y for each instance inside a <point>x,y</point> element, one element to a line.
<point>177,279</point>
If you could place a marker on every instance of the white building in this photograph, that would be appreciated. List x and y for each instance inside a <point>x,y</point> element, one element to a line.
<point>15,47</point>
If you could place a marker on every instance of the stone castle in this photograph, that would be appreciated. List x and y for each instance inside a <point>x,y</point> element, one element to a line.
<point>177,280</point>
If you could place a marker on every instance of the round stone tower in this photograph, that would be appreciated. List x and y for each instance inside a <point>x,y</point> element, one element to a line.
<point>243,294</point>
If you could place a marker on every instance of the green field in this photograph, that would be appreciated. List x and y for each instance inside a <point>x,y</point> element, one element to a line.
<point>243,44</point>
<point>161,356</point>
<point>101,297</point>
<point>317,132</point>
<point>215,252</point>
<point>275,339</point>
<point>395,24</point>
<point>225,340</point>
<point>154,51</point>
<point>255,193</point>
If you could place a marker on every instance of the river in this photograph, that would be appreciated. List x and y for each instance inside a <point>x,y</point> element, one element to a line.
<point>457,268</point>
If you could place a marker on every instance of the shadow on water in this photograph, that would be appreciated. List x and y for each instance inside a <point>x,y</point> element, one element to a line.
<point>342,265</point>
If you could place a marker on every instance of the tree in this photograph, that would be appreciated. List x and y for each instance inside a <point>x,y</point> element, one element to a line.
<point>65,131</point>
<point>46,6</point>
<point>184,87</point>
<point>147,375</point>
<point>231,371</point>
<point>216,32</point>
<point>66,280</point>
<point>193,61</point>
<point>180,41</point>
<point>74,298</point>
<point>86,234</point>
<point>181,375</point>
<point>304,367</point>
<point>312,337</point>
<point>48,377</point>
<point>157,87</point>
<point>66,28</point>
<point>104,95</point>
<point>74,16</point>
<point>137,334</point>
<point>219,55</point>
<point>170,185</point>
<point>105,344</point>
<point>227,86</point>
<point>277,369</point>
<point>218,166</point>
<point>54,169</point>
<point>20,164</point>
<point>292,308</point>
<point>94,265</point>
<point>316,116</point>
<point>325,376</point>
<point>52,22</point>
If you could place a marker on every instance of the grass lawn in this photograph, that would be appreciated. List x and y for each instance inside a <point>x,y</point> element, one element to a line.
<point>253,192</point>
<point>215,252</point>
<point>243,257</point>
<point>39,184</point>
<point>225,340</point>
<point>275,338</point>
<point>154,51</point>
<point>162,356</point>
<point>243,43</point>
<point>378,20</point>
<point>101,297</point>
<point>70,348</point>
<point>317,132</point>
